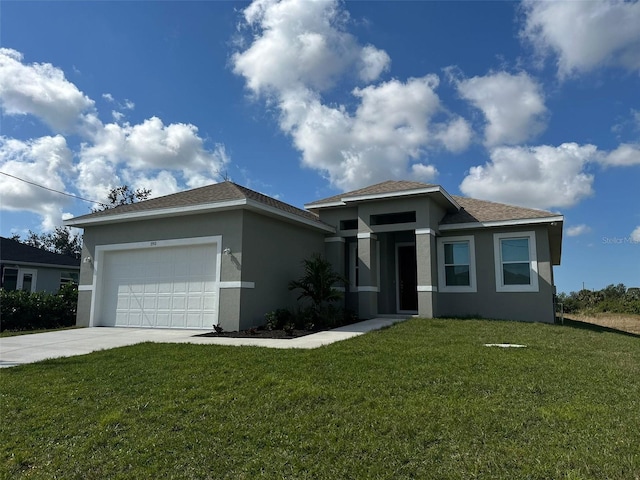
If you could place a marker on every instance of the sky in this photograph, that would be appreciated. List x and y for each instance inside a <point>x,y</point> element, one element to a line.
<point>533,103</point>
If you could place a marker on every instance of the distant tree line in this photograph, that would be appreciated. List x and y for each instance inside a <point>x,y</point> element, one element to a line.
<point>61,241</point>
<point>612,299</point>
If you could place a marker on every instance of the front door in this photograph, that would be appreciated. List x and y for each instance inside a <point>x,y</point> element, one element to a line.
<point>407,277</point>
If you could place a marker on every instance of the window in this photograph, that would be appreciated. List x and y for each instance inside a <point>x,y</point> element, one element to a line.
<point>516,263</point>
<point>10,278</point>
<point>393,218</point>
<point>349,224</point>
<point>68,277</point>
<point>456,264</point>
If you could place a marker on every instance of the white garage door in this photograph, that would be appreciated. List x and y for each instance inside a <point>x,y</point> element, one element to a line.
<point>164,287</point>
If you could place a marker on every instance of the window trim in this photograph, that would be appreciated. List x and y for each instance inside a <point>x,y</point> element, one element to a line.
<point>533,286</point>
<point>442,276</point>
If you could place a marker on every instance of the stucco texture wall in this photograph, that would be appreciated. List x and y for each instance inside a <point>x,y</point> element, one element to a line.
<point>487,302</point>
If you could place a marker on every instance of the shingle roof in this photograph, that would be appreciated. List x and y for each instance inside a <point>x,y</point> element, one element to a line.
<point>210,194</point>
<point>474,211</point>
<point>13,251</point>
<point>389,186</point>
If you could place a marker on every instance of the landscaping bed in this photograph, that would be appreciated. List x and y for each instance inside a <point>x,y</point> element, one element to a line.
<point>262,332</point>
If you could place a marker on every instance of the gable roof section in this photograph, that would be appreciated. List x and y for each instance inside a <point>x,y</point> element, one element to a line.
<point>219,196</point>
<point>384,190</point>
<point>12,251</point>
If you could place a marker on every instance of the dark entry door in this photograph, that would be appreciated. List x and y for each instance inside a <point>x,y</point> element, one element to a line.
<point>407,278</point>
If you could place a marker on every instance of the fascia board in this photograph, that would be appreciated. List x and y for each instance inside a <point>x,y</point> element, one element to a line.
<point>191,210</point>
<point>160,213</point>
<point>312,206</point>
<point>9,262</point>
<point>501,223</point>
<point>381,196</point>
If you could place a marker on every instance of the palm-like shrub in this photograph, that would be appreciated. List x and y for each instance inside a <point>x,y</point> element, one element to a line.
<point>317,283</point>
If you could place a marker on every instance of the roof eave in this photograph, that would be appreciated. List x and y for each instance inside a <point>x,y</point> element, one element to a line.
<point>501,223</point>
<point>193,210</point>
<point>39,264</point>
<point>382,196</point>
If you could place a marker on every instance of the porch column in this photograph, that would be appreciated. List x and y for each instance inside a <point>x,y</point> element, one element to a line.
<point>368,276</point>
<point>335,255</point>
<point>427,272</point>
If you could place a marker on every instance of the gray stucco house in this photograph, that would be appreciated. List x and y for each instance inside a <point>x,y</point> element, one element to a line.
<point>225,254</point>
<point>23,267</point>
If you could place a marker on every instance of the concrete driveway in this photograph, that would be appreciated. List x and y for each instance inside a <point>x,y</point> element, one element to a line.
<point>67,343</point>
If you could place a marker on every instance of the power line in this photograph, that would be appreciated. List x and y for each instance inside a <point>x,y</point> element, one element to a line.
<point>52,190</point>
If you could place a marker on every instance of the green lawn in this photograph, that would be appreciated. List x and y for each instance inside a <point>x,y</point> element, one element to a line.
<point>423,399</point>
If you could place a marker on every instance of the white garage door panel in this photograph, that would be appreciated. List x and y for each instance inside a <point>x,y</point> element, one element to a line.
<point>160,287</point>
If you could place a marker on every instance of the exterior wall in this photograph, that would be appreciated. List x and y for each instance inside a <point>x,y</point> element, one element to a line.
<point>47,278</point>
<point>227,224</point>
<point>384,238</point>
<point>487,302</point>
<point>273,254</point>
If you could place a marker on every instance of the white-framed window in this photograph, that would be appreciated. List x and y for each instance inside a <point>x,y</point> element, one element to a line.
<point>68,277</point>
<point>457,264</point>
<point>516,262</point>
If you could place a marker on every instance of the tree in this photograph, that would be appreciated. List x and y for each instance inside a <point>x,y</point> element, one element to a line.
<point>317,283</point>
<point>123,195</point>
<point>61,240</point>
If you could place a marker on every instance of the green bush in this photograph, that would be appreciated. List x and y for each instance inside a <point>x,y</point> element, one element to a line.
<point>612,299</point>
<point>39,310</point>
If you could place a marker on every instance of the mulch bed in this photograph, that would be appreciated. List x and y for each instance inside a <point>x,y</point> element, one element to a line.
<point>260,333</point>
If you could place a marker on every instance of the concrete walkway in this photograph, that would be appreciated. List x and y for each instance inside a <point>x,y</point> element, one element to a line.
<point>67,343</point>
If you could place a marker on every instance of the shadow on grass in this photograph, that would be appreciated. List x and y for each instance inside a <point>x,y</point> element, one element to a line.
<point>568,322</point>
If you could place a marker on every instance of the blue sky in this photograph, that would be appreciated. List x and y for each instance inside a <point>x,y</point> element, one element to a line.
<point>534,104</point>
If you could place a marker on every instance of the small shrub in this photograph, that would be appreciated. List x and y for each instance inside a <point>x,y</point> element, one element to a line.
<point>277,319</point>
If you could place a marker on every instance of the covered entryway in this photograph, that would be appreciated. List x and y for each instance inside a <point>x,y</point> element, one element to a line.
<point>159,285</point>
<point>407,275</point>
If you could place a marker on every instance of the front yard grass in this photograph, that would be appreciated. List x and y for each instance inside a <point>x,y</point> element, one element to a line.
<point>422,399</point>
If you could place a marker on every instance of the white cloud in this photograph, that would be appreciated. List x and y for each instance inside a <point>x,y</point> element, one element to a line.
<point>426,173</point>
<point>513,106</point>
<point>578,230</point>
<point>539,177</point>
<point>42,90</point>
<point>302,42</point>
<point>585,35</point>
<point>165,158</point>
<point>635,235</point>
<point>374,62</point>
<point>299,50</point>
<point>46,161</point>
<point>144,148</point>
<point>626,155</point>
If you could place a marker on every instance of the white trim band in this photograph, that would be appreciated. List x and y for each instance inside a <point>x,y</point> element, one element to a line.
<point>85,288</point>
<point>367,289</point>
<point>366,235</point>
<point>237,285</point>
<point>427,288</point>
<point>425,231</point>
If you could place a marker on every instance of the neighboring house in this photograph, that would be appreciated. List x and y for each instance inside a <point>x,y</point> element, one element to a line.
<point>32,269</point>
<point>225,254</point>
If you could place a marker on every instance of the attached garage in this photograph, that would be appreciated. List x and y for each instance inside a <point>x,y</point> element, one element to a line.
<point>162,284</point>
